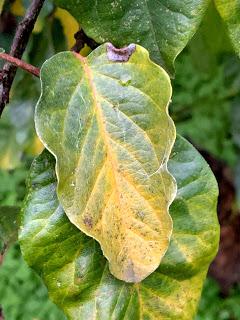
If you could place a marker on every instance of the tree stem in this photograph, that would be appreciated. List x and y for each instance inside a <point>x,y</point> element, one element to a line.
<point>19,44</point>
<point>21,64</point>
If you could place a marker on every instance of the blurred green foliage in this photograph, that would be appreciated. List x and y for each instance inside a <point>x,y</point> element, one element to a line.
<point>214,307</point>
<point>203,106</point>
<point>12,186</point>
<point>22,293</point>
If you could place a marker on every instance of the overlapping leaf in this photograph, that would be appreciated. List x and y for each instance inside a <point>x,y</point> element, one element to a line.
<point>230,13</point>
<point>163,27</point>
<point>77,274</point>
<point>107,124</point>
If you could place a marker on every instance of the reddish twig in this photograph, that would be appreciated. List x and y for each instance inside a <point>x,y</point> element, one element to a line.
<point>21,64</point>
<point>19,44</point>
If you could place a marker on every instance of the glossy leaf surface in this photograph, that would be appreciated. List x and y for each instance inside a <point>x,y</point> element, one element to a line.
<point>77,274</point>
<point>164,27</point>
<point>108,126</point>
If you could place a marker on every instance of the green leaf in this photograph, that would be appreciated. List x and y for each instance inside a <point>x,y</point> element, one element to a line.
<point>77,274</point>
<point>8,227</point>
<point>230,13</point>
<point>108,126</point>
<point>1,5</point>
<point>209,41</point>
<point>163,27</point>
<point>17,132</point>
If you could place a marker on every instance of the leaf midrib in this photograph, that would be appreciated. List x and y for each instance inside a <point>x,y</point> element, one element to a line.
<point>100,119</point>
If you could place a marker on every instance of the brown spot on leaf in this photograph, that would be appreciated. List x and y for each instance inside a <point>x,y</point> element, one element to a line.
<point>88,222</point>
<point>120,55</point>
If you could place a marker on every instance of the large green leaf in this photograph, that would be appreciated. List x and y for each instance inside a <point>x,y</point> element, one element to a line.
<point>77,274</point>
<point>230,13</point>
<point>108,126</point>
<point>164,27</point>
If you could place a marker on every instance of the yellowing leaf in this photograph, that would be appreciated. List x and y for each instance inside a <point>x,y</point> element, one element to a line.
<point>1,5</point>
<point>35,147</point>
<point>17,8</point>
<point>106,121</point>
<point>85,50</point>
<point>70,25</point>
<point>75,271</point>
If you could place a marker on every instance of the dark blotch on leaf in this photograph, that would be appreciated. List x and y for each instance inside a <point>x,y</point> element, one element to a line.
<point>120,55</point>
<point>88,222</point>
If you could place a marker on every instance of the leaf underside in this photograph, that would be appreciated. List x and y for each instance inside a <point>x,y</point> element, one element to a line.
<point>164,27</point>
<point>108,126</point>
<point>77,274</point>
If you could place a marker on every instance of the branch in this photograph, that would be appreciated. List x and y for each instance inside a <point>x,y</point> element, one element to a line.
<point>21,64</point>
<point>81,39</point>
<point>19,44</point>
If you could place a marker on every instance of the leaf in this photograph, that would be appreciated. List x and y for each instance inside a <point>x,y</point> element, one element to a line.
<point>163,27</point>
<point>16,132</point>
<point>107,125</point>
<point>8,227</point>
<point>77,274</point>
<point>230,13</point>
<point>1,5</point>
<point>209,42</point>
<point>17,8</point>
<point>70,25</point>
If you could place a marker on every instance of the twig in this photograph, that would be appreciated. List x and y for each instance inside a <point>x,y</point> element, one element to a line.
<point>21,64</point>
<point>81,39</point>
<point>19,44</point>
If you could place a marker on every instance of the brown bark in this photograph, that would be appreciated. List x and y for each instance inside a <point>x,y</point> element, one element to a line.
<point>19,44</point>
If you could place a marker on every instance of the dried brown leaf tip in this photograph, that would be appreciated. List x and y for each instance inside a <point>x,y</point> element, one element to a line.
<point>120,55</point>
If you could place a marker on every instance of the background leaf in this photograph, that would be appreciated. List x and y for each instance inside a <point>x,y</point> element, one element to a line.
<point>1,5</point>
<point>109,128</point>
<point>75,271</point>
<point>163,27</point>
<point>23,295</point>
<point>209,41</point>
<point>230,13</point>
<point>17,132</point>
<point>8,227</point>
